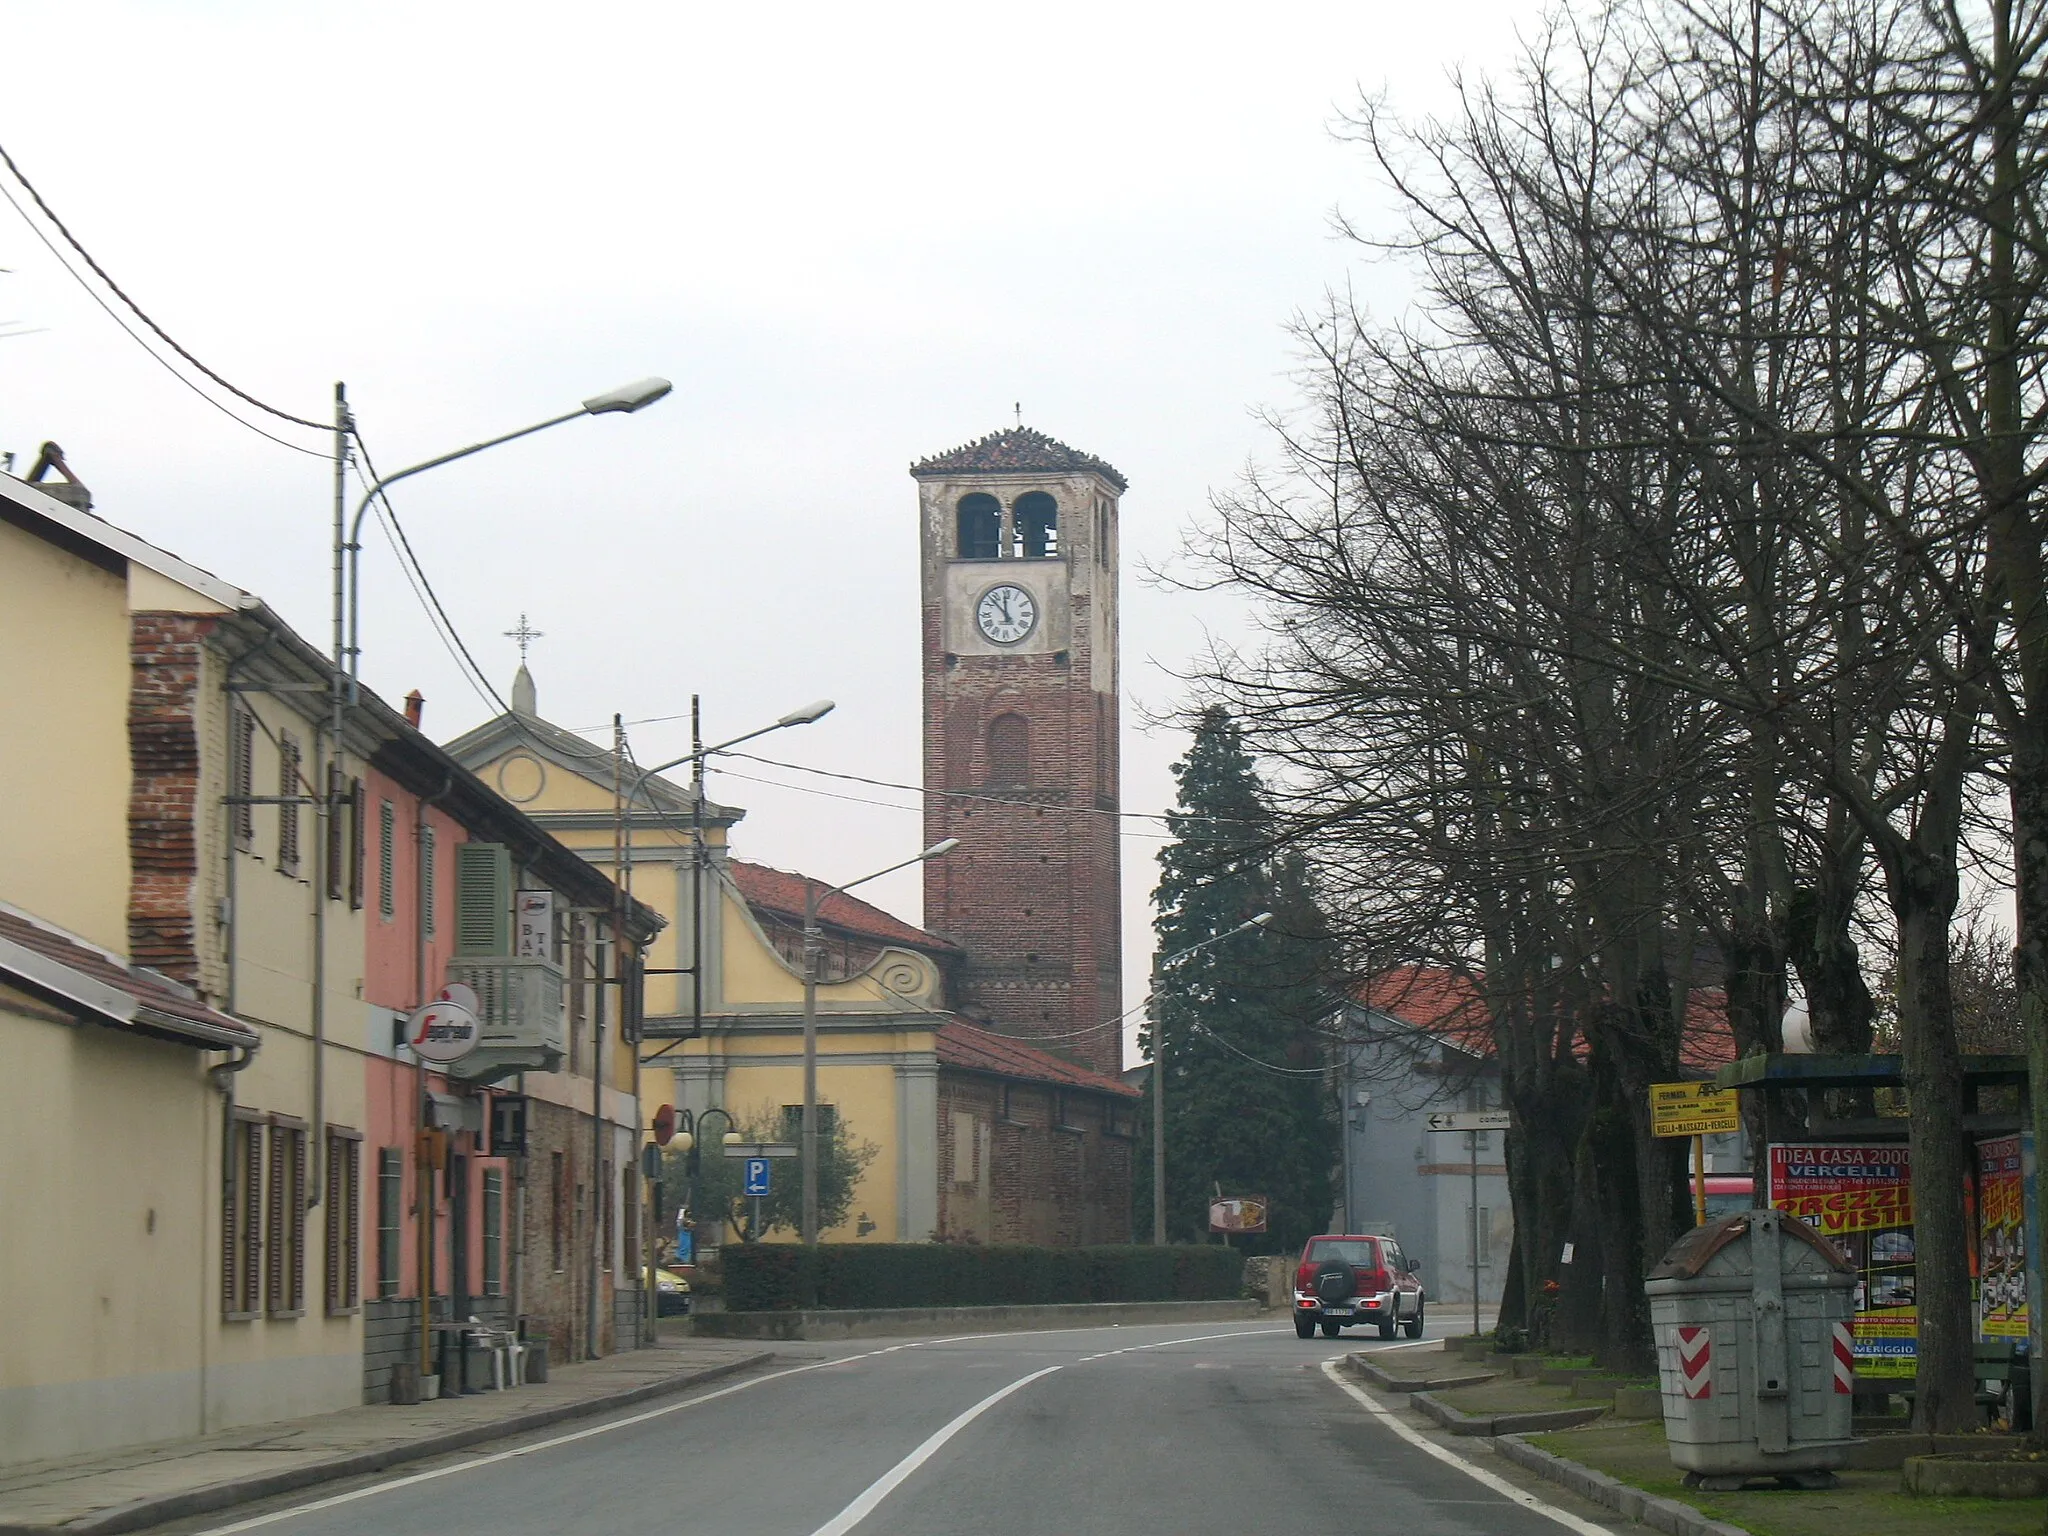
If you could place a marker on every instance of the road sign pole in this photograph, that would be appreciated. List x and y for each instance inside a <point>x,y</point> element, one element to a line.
<point>1473,1138</point>
<point>1699,1181</point>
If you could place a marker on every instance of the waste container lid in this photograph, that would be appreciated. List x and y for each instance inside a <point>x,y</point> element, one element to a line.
<point>1691,1253</point>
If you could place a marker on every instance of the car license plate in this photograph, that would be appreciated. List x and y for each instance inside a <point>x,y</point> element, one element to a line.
<point>1336,1311</point>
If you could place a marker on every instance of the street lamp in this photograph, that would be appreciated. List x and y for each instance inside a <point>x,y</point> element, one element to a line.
<point>1159,1072</point>
<point>686,1138</point>
<point>814,897</point>
<point>810,714</point>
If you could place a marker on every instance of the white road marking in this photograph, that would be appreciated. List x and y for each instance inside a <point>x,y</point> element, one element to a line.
<point>1498,1484</point>
<point>1204,1338</point>
<point>891,1480</point>
<point>493,1458</point>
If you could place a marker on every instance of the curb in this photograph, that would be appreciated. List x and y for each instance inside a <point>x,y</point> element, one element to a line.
<point>1660,1514</point>
<point>880,1322</point>
<point>199,1501</point>
<point>1459,1422</point>
<point>1379,1376</point>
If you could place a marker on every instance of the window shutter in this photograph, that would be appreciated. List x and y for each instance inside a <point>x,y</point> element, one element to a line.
<point>483,899</point>
<point>358,832</point>
<point>387,869</point>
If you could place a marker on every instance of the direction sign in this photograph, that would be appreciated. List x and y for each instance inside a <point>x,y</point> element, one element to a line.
<point>1693,1109</point>
<point>762,1149</point>
<point>759,1171</point>
<point>1467,1120</point>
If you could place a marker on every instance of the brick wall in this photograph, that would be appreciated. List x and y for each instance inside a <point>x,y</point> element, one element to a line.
<point>1033,891</point>
<point>167,654</point>
<point>1041,1165</point>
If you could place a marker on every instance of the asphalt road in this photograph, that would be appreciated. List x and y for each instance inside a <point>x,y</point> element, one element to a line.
<point>1175,1430</point>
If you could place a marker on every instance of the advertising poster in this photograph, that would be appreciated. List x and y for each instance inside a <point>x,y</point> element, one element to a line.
<point>1860,1196</point>
<point>2001,1241</point>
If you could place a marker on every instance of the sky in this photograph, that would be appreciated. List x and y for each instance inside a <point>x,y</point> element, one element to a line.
<point>851,236</point>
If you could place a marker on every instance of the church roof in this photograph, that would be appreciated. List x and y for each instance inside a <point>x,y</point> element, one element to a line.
<point>1013,450</point>
<point>783,893</point>
<point>970,1048</point>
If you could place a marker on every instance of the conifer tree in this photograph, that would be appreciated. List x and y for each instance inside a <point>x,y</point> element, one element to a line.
<point>1247,1109</point>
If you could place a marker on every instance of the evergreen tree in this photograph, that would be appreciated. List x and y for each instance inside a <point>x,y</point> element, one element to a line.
<point>1247,1108</point>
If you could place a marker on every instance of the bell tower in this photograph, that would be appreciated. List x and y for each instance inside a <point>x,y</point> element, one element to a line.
<point>1018,553</point>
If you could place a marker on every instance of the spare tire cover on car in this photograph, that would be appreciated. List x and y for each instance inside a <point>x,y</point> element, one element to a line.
<point>1334,1280</point>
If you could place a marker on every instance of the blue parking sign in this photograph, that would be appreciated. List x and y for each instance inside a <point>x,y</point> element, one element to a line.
<point>757,1175</point>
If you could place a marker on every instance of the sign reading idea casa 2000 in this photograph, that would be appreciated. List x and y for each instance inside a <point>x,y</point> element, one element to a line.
<point>1861,1197</point>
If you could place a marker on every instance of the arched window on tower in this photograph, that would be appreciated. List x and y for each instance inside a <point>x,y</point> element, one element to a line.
<point>981,527</point>
<point>1009,750</point>
<point>1038,524</point>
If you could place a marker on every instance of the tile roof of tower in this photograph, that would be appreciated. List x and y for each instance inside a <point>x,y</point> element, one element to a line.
<point>1014,450</point>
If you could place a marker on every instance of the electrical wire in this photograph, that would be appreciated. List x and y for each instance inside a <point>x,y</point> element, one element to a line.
<point>161,361</point>
<point>827,794</point>
<point>1266,1066</point>
<point>141,314</point>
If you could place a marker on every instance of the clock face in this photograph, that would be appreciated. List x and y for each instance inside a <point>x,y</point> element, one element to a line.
<point>1006,614</point>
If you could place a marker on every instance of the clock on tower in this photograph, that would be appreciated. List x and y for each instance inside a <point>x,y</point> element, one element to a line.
<point>1017,543</point>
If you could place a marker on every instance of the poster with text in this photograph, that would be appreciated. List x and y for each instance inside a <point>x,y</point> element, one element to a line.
<point>2001,1240</point>
<point>1860,1197</point>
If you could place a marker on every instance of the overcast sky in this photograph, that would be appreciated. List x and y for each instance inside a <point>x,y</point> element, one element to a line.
<point>852,236</point>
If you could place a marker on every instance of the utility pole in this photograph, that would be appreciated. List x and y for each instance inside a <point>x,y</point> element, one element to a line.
<point>1158,1127</point>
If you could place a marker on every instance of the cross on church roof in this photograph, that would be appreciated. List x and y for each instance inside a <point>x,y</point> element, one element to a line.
<point>525,634</point>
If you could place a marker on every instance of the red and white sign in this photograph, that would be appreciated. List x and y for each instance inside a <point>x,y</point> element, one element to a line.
<point>446,1029</point>
<point>1696,1361</point>
<point>1845,1358</point>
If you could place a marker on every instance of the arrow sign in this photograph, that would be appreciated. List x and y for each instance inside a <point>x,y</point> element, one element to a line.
<point>1467,1120</point>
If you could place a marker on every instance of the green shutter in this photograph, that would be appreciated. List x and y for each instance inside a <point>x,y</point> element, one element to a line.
<point>483,899</point>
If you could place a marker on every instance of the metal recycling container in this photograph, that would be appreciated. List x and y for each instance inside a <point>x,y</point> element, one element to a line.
<point>1755,1350</point>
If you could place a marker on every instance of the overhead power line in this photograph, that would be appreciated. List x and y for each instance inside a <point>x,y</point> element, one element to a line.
<point>143,315</point>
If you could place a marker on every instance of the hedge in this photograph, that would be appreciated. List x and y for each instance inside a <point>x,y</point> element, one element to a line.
<point>783,1277</point>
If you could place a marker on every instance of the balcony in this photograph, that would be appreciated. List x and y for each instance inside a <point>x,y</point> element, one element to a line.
<point>522,1008</point>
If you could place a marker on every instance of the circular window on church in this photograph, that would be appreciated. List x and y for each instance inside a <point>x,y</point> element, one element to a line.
<point>521,778</point>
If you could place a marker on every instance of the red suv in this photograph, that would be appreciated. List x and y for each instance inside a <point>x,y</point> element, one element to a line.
<point>1344,1280</point>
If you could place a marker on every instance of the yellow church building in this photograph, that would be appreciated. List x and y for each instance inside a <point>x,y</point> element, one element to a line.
<point>979,1137</point>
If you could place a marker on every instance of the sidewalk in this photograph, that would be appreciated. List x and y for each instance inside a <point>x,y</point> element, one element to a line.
<point>128,1490</point>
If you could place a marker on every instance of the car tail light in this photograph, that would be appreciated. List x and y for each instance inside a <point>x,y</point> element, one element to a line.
<point>1304,1275</point>
<point>1374,1280</point>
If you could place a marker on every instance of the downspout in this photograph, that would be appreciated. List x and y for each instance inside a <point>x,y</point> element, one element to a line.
<point>597,1179</point>
<point>423,1172</point>
<point>323,873</point>
<point>222,1076</point>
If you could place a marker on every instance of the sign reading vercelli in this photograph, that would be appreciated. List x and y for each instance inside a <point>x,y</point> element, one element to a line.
<point>1693,1109</point>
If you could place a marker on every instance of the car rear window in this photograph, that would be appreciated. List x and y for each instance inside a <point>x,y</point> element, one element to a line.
<point>1352,1250</point>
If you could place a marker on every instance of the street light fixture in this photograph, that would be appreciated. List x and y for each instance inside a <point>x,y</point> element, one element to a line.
<point>1159,1071</point>
<point>814,898</point>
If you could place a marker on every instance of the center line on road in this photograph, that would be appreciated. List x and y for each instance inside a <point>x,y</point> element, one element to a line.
<point>891,1480</point>
<point>1479,1474</point>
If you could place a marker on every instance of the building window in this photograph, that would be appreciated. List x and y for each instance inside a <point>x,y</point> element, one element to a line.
<point>981,527</point>
<point>558,1205</point>
<point>242,775</point>
<point>387,860</point>
<point>358,835</point>
<point>344,1220</point>
<point>793,1122</point>
<point>284,1220</point>
<point>1037,517</point>
<point>1009,749</point>
<point>427,893</point>
<point>494,1232</point>
<point>241,1265</point>
<point>390,1209</point>
<point>287,810</point>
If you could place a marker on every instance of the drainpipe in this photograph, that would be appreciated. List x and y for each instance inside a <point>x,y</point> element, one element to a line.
<point>597,1179</point>
<point>423,1173</point>
<point>323,829</point>
<point>222,1076</point>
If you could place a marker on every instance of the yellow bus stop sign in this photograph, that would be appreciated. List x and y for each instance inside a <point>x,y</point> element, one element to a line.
<point>1693,1109</point>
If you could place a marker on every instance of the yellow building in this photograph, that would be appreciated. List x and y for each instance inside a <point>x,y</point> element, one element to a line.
<point>978,1137</point>
<point>199,976</point>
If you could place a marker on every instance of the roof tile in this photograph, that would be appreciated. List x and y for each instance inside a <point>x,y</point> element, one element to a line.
<point>784,893</point>
<point>1016,450</point>
<point>974,1049</point>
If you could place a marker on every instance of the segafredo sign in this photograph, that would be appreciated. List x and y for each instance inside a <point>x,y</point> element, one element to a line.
<point>446,1029</point>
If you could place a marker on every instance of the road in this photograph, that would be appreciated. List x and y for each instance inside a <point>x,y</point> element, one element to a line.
<point>1166,1431</point>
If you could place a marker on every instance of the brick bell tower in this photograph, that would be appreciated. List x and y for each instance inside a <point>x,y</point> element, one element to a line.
<point>1018,554</point>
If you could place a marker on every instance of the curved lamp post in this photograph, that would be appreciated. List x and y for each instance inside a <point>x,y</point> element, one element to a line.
<point>686,1138</point>
<point>1159,1070</point>
<point>814,897</point>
